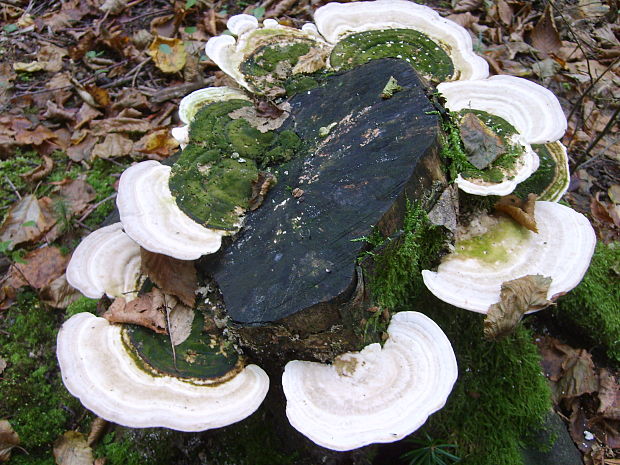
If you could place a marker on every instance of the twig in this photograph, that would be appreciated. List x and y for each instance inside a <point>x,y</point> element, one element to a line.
<point>13,187</point>
<point>137,71</point>
<point>589,88</point>
<point>174,352</point>
<point>82,225</point>
<point>607,127</point>
<point>94,207</point>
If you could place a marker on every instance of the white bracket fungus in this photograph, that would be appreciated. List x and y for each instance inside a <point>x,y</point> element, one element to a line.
<point>562,249</point>
<point>337,20</point>
<point>151,217</point>
<point>379,394</point>
<point>98,369</point>
<point>107,262</point>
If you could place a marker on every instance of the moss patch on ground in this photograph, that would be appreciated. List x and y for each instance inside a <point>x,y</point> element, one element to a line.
<point>594,305</point>
<point>34,399</point>
<point>501,394</point>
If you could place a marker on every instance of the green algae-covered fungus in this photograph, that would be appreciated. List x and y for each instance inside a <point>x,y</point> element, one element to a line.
<point>415,47</point>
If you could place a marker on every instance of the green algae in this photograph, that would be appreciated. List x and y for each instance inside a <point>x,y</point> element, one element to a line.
<point>594,305</point>
<point>501,394</point>
<point>200,356</point>
<point>494,246</point>
<point>551,177</point>
<point>422,53</point>
<point>213,177</point>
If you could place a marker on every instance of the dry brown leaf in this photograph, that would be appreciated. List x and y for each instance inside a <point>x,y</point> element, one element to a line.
<point>59,293</point>
<point>113,7</point>
<point>312,61</point>
<point>260,187</point>
<point>30,67</point>
<point>181,319</point>
<point>461,6</point>
<point>114,145</point>
<point>148,310</point>
<point>504,11</point>
<point>601,210</point>
<point>517,297</point>
<point>545,36</point>
<point>119,124</point>
<point>72,449</point>
<point>97,428</point>
<point>522,211</point>
<point>100,95</point>
<point>577,425</point>
<point>35,137</point>
<point>40,171</point>
<point>42,266</point>
<point>57,112</point>
<point>609,395</point>
<point>158,143</point>
<point>7,76</point>
<point>85,115</point>
<point>467,20</point>
<point>76,194</point>
<point>8,440</point>
<point>578,376</point>
<point>50,56</point>
<point>29,210</point>
<point>168,54</point>
<point>173,276</point>
<point>482,145</point>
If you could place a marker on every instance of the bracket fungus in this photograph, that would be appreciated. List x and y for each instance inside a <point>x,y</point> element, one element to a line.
<point>380,394</point>
<point>107,262</point>
<point>344,133</point>
<point>502,250</point>
<point>101,368</point>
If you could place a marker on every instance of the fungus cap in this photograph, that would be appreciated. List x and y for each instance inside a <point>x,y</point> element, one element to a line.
<point>98,369</point>
<point>533,110</point>
<point>335,21</point>
<point>191,103</point>
<point>561,250</point>
<point>107,262</point>
<point>151,217</point>
<point>379,394</point>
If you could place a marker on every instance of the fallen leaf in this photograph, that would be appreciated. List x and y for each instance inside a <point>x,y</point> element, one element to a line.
<point>545,35</point>
<point>97,428</point>
<point>76,194</point>
<point>42,266</point>
<point>113,7</point>
<point>35,137</point>
<point>29,210</point>
<point>58,113</point>
<point>148,310</point>
<point>461,6</point>
<point>553,353</point>
<point>158,143</point>
<point>181,319</point>
<point>82,147</point>
<point>119,124</point>
<point>85,115</point>
<point>260,187</point>
<point>50,56</point>
<point>577,426</point>
<point>312,61</point>
<point>40,171</point>
<point>482,145</point>
<point>517,297</point>
<point>3,365</point>
<point>265,117</point>
<point>59,293</point>
<point>168,54</point>
<point>609,395</point>
<point>100,95</point>
<point>504,11</point>
<point>8,440</point>
<point>31,67</point>
<point>114,145</point>
<point>72,449</point>
<point>173,276</point>
<point>578,376</point>
<point>522,211</point>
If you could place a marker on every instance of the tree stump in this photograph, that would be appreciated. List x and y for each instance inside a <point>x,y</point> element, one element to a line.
<point>290,282</point>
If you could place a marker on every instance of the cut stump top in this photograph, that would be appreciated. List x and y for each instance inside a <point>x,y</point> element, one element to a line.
<point>295,252</point>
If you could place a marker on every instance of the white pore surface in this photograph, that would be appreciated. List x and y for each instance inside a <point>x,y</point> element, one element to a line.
<point>97,369</point>
<point>389,393</point>
<point>151,217</point>
<point>526,165</point>
<point>338,20</point>
<point>533,110</point>
<point>561,250</point>
<point>106,261</point>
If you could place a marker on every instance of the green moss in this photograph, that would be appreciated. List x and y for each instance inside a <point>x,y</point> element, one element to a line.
<point>594,305</point>
<point>551,177</point>
<point>267,58</point>
<point>500,395</point>
<point>298,83</point>
<point>416,48</point>
<point>212,179</point>
<point>494,246</point>
<point>34,399</point>
<point>102,176</point>
<point>83,304</point>
<point>152,446</point>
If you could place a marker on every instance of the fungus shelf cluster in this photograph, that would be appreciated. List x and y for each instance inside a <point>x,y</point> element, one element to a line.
<point>299,175</point>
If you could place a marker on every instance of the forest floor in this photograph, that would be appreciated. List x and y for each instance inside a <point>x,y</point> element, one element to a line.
<point>87,87</point>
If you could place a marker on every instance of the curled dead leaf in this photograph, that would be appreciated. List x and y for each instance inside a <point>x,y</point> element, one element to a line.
<point>175,277</point>
<point>27,221</point>
<point>260,188</point>
<point>158,143</point>
<point>148,310</point>
<point>40,171</point>
<point>181,319</point>
<point>42,266</point>
<point>72,449</point>
<point>482,145</point>
<point>8,440</point>
<point>517,297</point>
<point>522,211</point>
<point>114,145</point>
<point>168,54</point>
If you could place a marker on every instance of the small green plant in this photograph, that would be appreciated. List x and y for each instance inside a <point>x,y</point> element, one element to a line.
<point>429,451</point>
